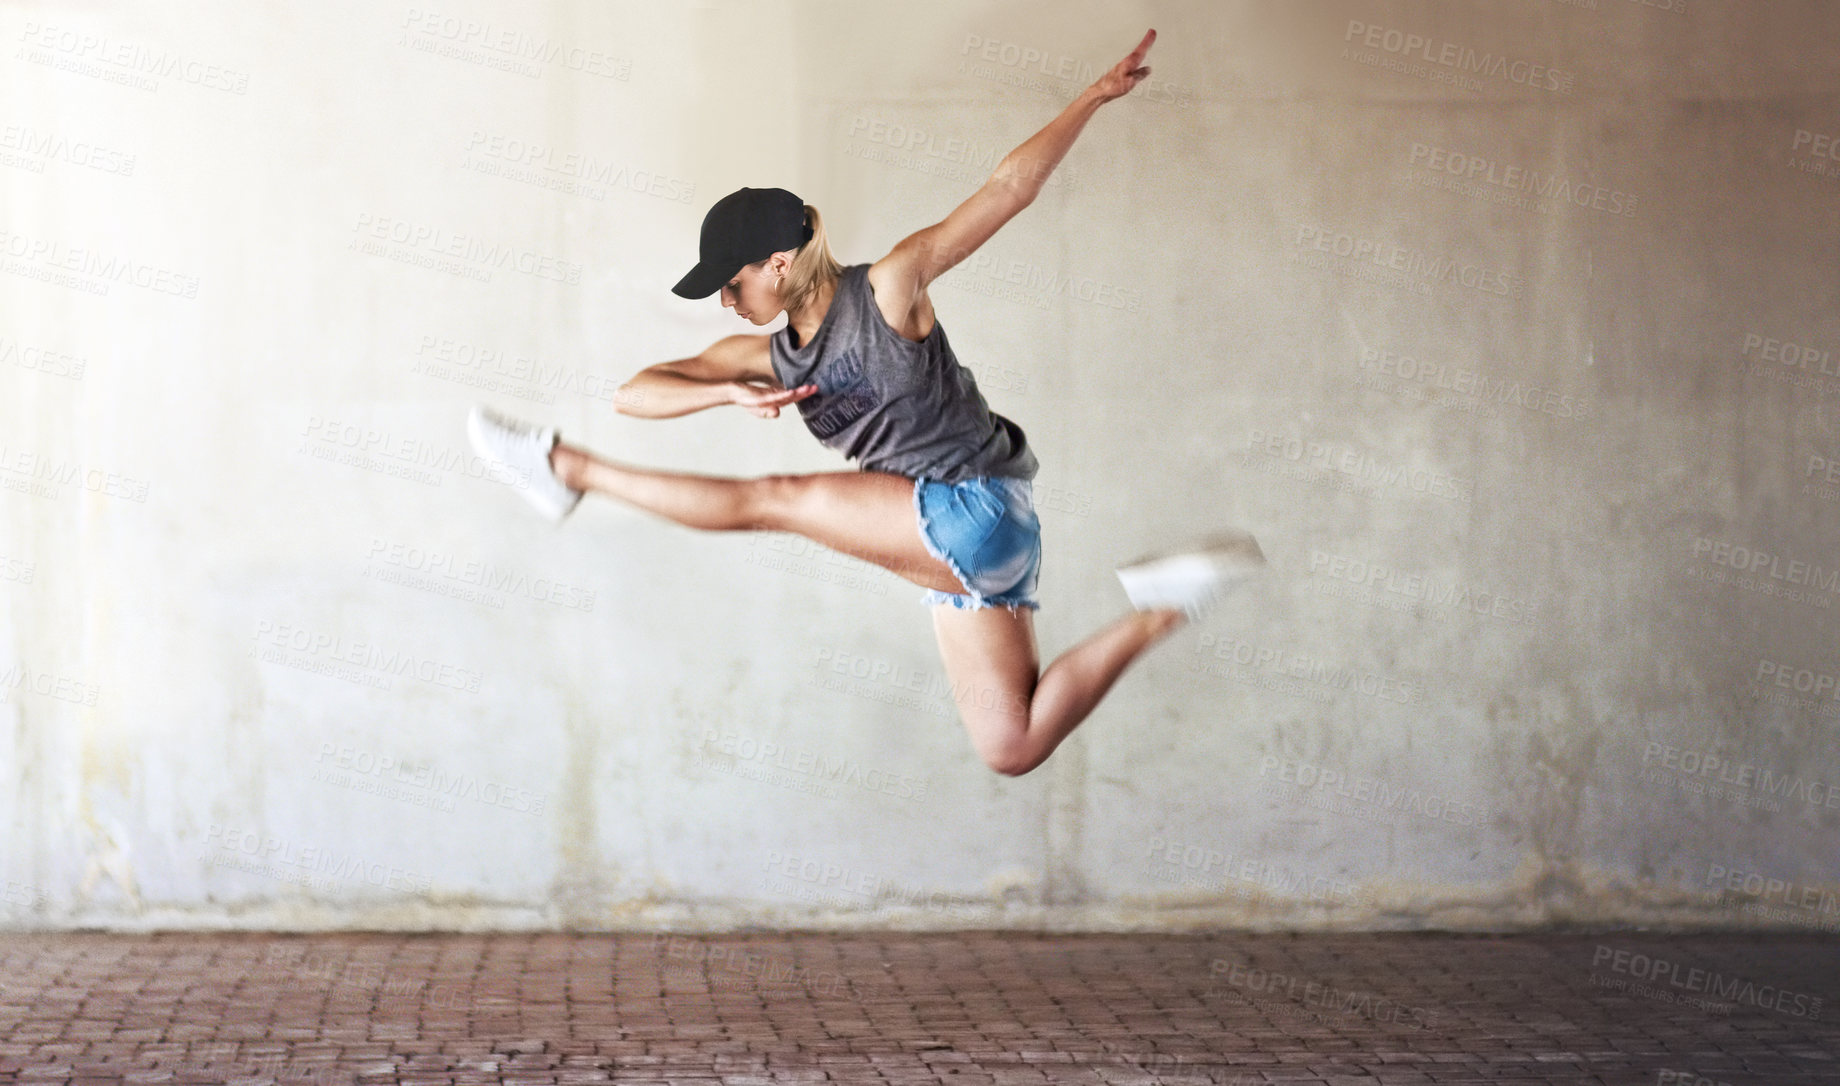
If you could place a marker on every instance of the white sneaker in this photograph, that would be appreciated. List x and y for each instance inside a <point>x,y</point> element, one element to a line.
<point>1194,577</point>
<point>525,448</point>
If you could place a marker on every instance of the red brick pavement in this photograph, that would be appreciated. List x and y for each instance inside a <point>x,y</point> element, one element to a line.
<point>974,1009</point>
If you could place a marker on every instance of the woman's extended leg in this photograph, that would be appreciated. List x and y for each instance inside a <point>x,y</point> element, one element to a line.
<point>865,514</point>
<point>1015,718</point>
<point>1016,713</point>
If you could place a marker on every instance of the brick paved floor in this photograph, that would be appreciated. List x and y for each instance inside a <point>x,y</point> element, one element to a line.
<point>972,1008</point>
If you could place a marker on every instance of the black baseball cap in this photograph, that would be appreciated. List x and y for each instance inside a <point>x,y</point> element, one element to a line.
<point>745,226</point>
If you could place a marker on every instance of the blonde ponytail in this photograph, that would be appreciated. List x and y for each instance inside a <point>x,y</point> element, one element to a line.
<point>813,267</point>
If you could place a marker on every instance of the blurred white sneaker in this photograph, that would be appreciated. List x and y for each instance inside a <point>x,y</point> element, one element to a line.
<point>1193,577</point>
<point>526,448</point>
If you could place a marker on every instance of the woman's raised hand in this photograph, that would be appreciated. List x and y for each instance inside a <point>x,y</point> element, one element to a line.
<point>1126,74</point>
<point>765,398</point>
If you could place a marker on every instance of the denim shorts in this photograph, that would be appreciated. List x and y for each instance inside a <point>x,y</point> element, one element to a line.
<point>985,529</point>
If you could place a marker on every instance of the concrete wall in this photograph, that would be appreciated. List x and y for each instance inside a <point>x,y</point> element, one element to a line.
<point>1506,327</point>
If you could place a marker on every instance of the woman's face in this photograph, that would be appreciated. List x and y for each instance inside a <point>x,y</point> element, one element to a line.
<point>754,292</point>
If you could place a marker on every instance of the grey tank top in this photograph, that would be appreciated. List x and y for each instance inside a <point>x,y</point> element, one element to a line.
<point>893,404</point>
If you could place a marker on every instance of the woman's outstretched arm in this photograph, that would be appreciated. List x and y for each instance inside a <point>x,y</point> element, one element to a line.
<point>735,369</point>
<point>924,256</point>
<point>1028,166</point>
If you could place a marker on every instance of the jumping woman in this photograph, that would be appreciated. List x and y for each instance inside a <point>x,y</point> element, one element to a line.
<point>943,496</point>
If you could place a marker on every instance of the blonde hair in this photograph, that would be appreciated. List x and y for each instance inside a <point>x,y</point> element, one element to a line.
<point>813,267</point>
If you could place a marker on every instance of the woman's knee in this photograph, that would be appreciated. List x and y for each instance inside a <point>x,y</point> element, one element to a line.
<point>770,503</point>
<point>1003,741</point>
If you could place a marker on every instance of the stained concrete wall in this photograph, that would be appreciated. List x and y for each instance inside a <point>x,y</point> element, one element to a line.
<point>1506,327</point>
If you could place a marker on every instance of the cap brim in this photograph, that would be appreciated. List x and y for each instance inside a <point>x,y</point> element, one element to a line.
<point>704,279</point>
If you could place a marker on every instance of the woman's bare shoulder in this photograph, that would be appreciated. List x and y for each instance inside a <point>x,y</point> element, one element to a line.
<point>903,304</point>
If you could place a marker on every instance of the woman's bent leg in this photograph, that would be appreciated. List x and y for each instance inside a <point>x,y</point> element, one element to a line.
<point>868,515</point>
<point>1015,717</point>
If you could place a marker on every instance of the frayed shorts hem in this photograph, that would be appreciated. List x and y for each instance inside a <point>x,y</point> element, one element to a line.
<point>936,598</point>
